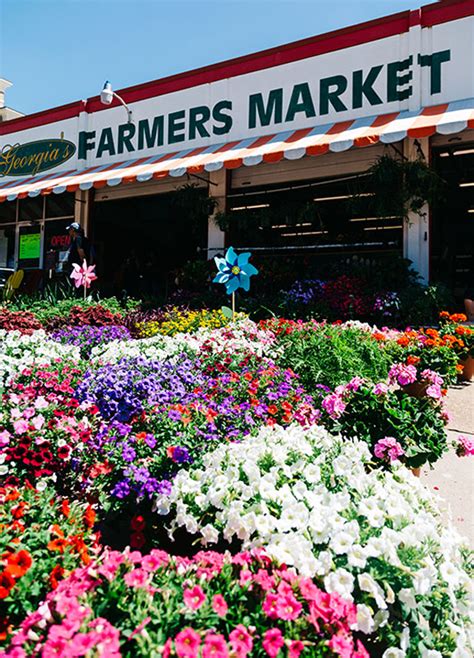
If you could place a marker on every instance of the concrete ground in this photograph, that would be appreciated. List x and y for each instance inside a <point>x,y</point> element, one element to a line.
<point>452,477</point>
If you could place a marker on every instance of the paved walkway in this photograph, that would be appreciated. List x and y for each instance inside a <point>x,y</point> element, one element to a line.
<point>453,477</point>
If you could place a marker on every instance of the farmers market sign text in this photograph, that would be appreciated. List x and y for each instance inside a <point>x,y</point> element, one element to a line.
<point>374,87</point>
<point>33,157</point>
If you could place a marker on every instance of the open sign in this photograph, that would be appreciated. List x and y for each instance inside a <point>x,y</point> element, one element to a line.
<point>61,241</point>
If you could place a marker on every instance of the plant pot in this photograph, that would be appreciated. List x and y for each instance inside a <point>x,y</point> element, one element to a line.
<point>416,471</point>
<point>468,369</point>
<point>417,389</point>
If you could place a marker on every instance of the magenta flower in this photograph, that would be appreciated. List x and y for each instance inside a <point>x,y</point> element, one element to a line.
<point>215,646</point>
<point>388,448</point>
<point>219,605</point>
<point>83,275</point>
<point>187,643</point>
<point>334,405</point>
<point>241,641</point>
<point>465,446</point>
<point>194,597</point>
<point>380,389</point>
<point>273,642</point>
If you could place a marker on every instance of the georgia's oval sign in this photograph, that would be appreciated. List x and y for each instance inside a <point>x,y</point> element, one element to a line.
<point>33,157</point>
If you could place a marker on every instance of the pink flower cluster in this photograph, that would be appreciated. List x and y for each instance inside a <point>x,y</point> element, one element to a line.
<point>389,449</point>
<point>280,611</point>
<point>465,446</point>
<point>402,374</point>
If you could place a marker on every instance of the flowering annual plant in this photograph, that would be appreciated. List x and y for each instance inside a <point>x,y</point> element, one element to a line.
<point>87,337</point>
<point>41,424</point>
<point>214,605</point>
<point>452,325</point>
<point>372,412</point>
<point>21,321</point>
<point>169,414</point>
<point>42,539</point>
<point>18,351</point>
<point>234,271</point>
<point>177,320</point>
<point>373,536</point>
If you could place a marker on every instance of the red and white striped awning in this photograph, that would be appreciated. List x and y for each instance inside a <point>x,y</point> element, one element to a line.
<point>444,119</point>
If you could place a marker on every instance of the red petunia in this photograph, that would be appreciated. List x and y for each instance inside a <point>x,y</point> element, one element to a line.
<point>19,563</point>
<point>6,584</point>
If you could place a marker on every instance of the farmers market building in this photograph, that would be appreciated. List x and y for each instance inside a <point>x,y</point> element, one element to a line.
<point>284,142</point>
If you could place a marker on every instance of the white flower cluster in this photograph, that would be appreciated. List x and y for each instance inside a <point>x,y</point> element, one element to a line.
<point>18,351</point>
<point>373,536</point>
<point>243,336</point>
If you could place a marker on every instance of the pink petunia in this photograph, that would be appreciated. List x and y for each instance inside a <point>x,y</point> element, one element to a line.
<point>295,648</point>
<point>219,605</point>
<point>215,646</point>
<point>241,641</point>
<point>138,578</point>
<point>20,426</point>
<point>288,608</point>
<point>273,642</point>
<point>187,643</point>
<point>194,597</point>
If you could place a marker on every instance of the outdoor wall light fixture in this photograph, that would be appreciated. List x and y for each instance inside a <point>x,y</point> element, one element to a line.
<point>107,95</point>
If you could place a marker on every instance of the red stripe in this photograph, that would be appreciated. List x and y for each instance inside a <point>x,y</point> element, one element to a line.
<point>261,141</point>
<point>298,134</point>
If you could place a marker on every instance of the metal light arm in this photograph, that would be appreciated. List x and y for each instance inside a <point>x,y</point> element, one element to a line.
<point>129,111</point>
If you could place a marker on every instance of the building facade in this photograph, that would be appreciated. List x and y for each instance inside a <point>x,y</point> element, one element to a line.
<point>282,141</point>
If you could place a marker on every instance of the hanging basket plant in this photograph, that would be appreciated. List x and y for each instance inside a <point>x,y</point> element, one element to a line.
<point>402,187</point>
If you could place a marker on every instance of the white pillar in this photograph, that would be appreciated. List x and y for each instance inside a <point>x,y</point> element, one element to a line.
<point>217,190</point>
<point>416,231</point>
<point>82,209</point>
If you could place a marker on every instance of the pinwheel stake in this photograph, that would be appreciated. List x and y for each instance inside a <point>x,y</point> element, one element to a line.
<point>234,272</point>
<point>83,275</point>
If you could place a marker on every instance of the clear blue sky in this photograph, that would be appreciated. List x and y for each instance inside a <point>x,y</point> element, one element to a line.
<point>58,51</point>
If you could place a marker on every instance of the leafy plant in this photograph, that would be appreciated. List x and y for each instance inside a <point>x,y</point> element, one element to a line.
<point>403,186</point>
<point>329,355</point>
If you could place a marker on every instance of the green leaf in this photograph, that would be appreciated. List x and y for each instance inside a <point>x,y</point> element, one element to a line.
<point>227,312</point>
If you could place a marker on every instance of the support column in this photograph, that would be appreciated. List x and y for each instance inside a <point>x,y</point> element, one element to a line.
<point>416,232</point>
<point>82,210</point>
<point>218,191</point>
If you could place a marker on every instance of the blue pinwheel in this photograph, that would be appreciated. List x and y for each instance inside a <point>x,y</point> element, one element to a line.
<point>234,271</point>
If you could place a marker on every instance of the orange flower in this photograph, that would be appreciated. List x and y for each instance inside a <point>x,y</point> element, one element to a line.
<point>272,409</point>
<point>413,360</point>
<point>403,341</point>
<point>57,545</point>
<point>65,508</point>
<point>444,315</point>
<point>458,317</point>
<point>89,517</point>
<point>19,563</point>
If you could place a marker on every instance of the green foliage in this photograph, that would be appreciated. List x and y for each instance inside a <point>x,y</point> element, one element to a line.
<point>47,309</point>
<point>416,423</point>
<point>332,355</point>
<point>421,305</point>
<point>403,186</point>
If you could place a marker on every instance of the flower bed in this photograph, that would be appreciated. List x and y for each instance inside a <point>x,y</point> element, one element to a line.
<point>222,434</point>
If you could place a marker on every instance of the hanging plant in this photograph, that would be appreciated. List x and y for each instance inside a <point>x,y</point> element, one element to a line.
<point>403,186</point>
<point>193,202</point>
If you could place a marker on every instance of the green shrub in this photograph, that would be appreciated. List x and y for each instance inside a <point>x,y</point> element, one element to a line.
<point>331,355</point>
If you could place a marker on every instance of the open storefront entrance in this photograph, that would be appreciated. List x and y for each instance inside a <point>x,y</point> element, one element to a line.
<point>140,242</point>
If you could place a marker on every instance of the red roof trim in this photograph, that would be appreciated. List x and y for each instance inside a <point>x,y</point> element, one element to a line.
<point>347,37</point>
